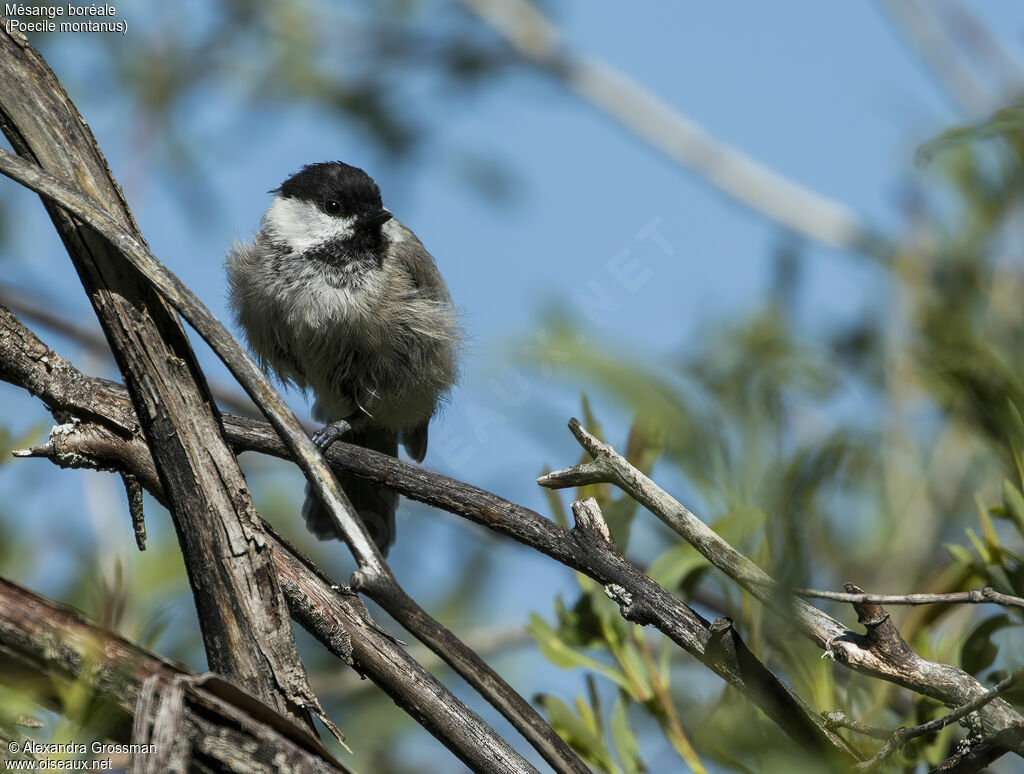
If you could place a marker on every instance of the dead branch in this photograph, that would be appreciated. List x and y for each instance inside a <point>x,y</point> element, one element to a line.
<point>985,596</point>
<point>44,644</point>
<point>247,636</point>
<point>102,437</point>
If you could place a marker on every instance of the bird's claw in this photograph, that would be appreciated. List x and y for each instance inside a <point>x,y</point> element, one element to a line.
<point>328,434</point>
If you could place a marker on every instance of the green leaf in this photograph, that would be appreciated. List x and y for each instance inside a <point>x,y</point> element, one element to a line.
<point>1016,431</point>
<point>626,746</point>
<point>1013,501</point>
<point>674,566</point>
<point>960,555</point>
<point>635,669</point>
<point>1000,124</point>
<point>562,655</point>
<point>979,651</point>
<point>578,735</point>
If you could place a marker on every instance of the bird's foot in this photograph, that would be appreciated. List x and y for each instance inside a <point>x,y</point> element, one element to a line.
<point>328,434</point>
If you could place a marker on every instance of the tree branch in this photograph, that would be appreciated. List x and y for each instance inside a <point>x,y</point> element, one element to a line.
<point>46,644</point>
<point>330,612</point>
<point>985,596</point>
<point>32,307</point>
<point>898,738</point>
<point>583,548</point>
<point>373,577</point>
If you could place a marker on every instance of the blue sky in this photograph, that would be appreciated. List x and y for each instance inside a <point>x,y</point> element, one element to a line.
<point>825,93</point>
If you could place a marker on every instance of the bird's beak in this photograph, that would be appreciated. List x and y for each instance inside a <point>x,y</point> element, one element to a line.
<point>376,218</point>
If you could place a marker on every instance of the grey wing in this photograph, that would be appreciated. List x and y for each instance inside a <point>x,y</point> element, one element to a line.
<point>419,263</point>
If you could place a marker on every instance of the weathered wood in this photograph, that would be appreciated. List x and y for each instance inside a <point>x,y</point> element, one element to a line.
<point>242,612</point>
<point>46,645</point>
<point>330,612</point>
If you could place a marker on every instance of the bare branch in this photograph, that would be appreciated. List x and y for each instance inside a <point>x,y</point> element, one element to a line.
<point>133,490</point>
<point>985,596</point>
<point>919,23</point>
<point>31,307</point>
<point>971,757</point>
<point>373,577</point>
<point>836,719</point>
<point>898,738</point>
<point>582,548</point>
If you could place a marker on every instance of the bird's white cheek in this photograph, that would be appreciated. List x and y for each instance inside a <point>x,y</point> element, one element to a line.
<point>303,226</point>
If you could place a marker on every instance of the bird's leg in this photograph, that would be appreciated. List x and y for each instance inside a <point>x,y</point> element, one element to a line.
<point>330,433</point>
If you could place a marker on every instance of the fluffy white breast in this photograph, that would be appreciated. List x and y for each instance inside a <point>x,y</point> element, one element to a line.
<point>302,225</point>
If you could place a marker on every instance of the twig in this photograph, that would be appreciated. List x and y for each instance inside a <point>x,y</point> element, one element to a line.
<point>837,719</point>
<point>741,177</point>
<point>971,757</point>
<point>34,308</point>
<point>985,596</point>
<point>898,738</point>
<point>918,22</point>
<point>134,491</point>
<point>485,641</point>
<point>607,466</point>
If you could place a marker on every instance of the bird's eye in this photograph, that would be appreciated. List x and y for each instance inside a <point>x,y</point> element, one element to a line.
<point>332,206</point>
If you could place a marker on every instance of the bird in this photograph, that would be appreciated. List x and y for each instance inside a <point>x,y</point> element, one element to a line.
<point>338,298</point>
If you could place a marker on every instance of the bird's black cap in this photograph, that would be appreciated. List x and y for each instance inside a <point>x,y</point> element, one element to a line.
<point>333,180</point>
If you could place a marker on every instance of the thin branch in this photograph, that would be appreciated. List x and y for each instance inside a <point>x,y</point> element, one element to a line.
<point>837,719</point>
<point>373,577</point>
<point>967,28</point>
<point>971,757</point>
<point>985,596</point>
<point>32,307</point>
<point>133,490</point>
<point>608,466</point>
<point>736,174</point>
<point>918,22</point>
<point>213,332</point>
<point>485,641</point>
<point>898,738</point>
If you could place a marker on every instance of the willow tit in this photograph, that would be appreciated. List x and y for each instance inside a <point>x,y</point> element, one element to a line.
<point>336,296</point>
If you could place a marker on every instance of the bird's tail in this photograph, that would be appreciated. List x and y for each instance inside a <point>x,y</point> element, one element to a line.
<point>373,503</point>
